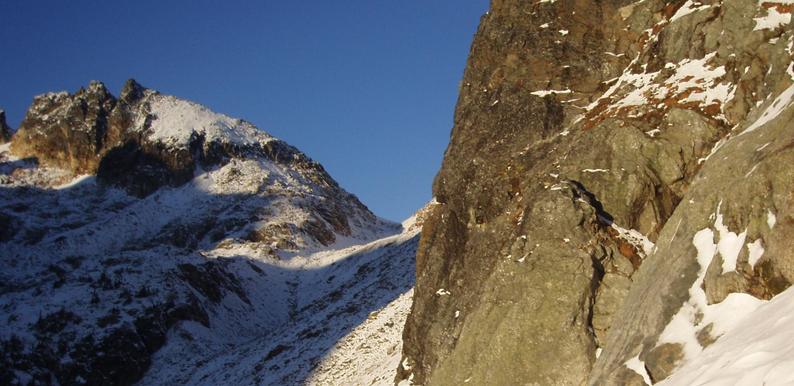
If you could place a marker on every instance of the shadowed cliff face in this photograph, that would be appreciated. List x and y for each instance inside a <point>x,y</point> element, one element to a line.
<point>580,129</point>
<point>72,131</point>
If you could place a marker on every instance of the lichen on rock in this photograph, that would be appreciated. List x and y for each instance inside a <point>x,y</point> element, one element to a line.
<point>634,123</point>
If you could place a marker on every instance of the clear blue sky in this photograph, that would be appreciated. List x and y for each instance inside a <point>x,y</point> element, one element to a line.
<point>367,87</point>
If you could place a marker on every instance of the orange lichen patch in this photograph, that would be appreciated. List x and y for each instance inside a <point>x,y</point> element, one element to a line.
<point>625,248</point>
<point>630,251</point>
<point>653,107</point>
<point>677,98</point>
<point>670,9</point>
<point>712,110</point>
<point>653,32</point>
<point>596,114</point>
<point>781,8</point>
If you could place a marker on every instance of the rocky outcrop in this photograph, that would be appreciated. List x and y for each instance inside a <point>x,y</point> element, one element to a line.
<point>72,131</point>
<point>5,131</point>
<point>587,136</point>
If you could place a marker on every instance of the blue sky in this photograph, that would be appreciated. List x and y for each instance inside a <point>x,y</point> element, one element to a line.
<point>367,88</point>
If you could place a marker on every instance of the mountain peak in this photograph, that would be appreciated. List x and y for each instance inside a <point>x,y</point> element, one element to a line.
<point>176,122</point>
<point>217,224</point>
<point>132,91</point>
<point>97,86</point>
<point>80,131</point>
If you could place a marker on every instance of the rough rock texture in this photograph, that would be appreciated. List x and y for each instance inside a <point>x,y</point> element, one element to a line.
<point>584,133</point>
<point>72,131</point>
<point>5,131</point>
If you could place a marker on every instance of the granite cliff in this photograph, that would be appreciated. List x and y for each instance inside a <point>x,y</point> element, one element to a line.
<point>617,178</point>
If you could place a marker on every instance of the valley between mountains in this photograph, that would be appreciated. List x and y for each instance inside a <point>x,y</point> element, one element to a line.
<point>614,208</point>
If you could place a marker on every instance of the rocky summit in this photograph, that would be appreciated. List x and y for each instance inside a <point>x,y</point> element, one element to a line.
<point>148,239</point>
<point>615,197</point>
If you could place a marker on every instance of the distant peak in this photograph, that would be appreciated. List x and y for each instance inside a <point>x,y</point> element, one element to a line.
<point>417,220</point>
<point>97,87</point>
<point>132,91</point>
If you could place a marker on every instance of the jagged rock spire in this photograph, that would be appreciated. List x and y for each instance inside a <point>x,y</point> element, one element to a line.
<point>132,91</point>
<point>5,131</point>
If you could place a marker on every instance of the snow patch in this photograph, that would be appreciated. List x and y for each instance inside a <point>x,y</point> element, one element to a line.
<point>773,19</point>
<point>543,93</point>
<point>781,103</point>
<point>635,238</point>
<point>176,122</point>
<point>653,133</point>
<point>729,245</point>
<point>756,351</point>
<point>638,366</point>
<point>755,251</point>
<point>696,314</point>
<point>689,7</point>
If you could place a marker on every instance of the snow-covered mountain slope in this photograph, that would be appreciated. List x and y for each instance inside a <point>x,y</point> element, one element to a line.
<point>139,229</point>
<point>349,307</point>
<point>755,350</point>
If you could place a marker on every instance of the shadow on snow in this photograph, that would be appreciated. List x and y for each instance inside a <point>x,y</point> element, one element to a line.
<point>89,270</point>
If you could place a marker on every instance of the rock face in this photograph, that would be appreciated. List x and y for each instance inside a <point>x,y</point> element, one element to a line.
<point>72,131</point>
<point>5,131</point>
<point>193,230</point>
<point>593,141</point>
